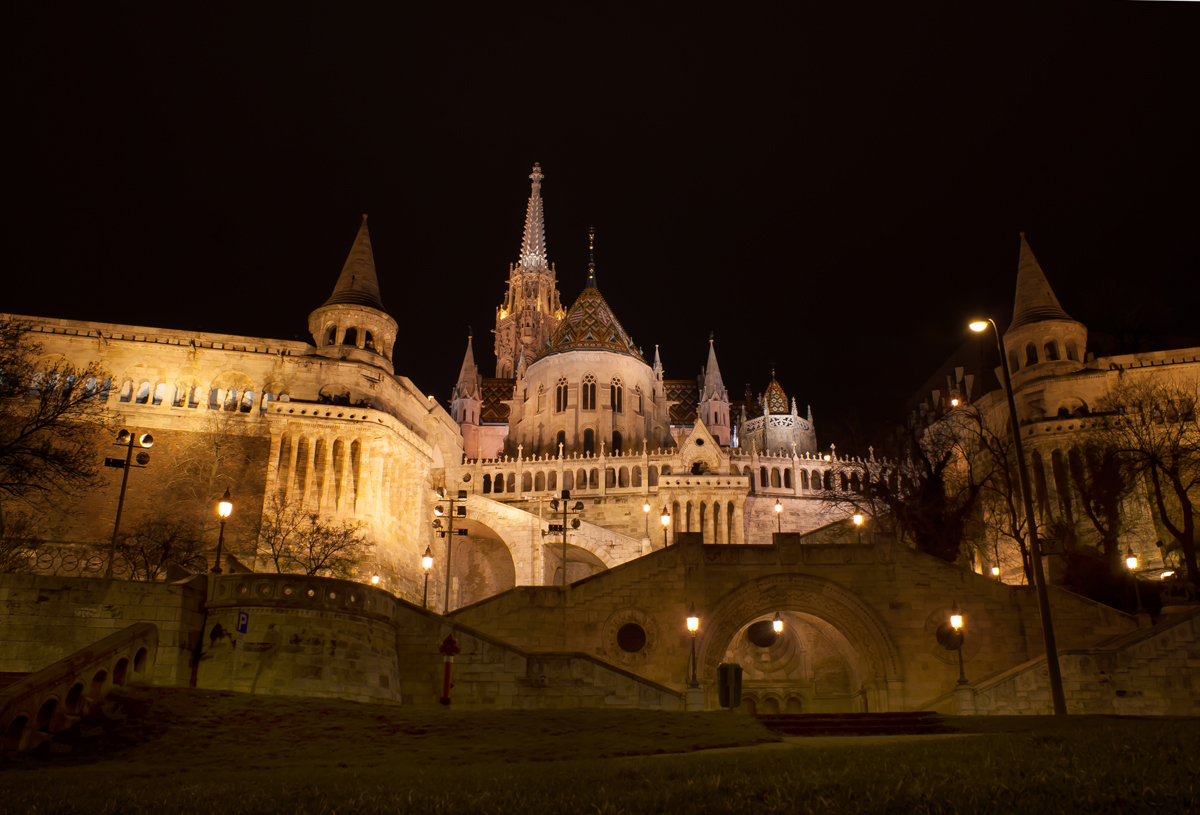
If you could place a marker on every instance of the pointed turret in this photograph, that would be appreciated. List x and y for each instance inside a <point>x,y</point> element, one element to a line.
<point>352,323</point>
<point>467,386</point>
<point>466,403</point>
<point>658,368</point>
<point>533,242</point>
<point>358,285</point>
<point>1035,299</point>
<point>714,398</point>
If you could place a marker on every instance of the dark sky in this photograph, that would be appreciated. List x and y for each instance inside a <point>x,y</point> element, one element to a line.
<point>832,191</point>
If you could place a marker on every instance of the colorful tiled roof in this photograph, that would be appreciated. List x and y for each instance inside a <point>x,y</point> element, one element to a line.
<point>590,325</point>
<point>775,398</point>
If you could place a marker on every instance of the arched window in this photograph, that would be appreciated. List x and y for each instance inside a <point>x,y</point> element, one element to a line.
<point>351,337</point>
<point>804,479</point>
<point>589,392</point>
<point>637,398</point>
<point>369,342</point>
<point>787,478</point>
<point>560,443</point>
<point>589,440</point>
<point>1072,351</point>
<point>487,483</point>
<point>617,393</point>
<point>1031,356</point>
<point>560,395</point>
<point>331,337</point>
<point>1051,351</point>
<point>763,479</point>
<point>616,441</point>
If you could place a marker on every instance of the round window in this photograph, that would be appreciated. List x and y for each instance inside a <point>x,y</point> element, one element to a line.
<point>631,637</point>
<point>700,442</point>
<point>466,477</point>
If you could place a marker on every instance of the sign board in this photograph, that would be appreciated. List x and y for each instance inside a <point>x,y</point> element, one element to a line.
<point>243,621</point>
<point>119,463</point>
<point>1052,546</point>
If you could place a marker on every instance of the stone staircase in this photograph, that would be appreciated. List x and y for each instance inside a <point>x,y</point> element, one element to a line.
<point>10,678</point>
<point>905,723</point>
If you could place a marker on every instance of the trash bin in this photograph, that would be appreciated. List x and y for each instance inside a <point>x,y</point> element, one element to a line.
<point>729,684</point>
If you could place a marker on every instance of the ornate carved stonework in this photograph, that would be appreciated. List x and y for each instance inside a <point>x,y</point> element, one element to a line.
<point>623,617</point>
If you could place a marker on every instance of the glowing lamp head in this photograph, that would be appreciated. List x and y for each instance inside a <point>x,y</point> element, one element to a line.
<point>646,507</point>
<point>956,621</point>
<point>375,579</point>
<point>439,510</point>
<point>666,517</point>
<point>995,571</point>
<point>778,506</point>
<point>827,457</point>
<point>1130,558</point>
<point>225,507</point>
<point>978,326</point>
<point>777,623</point>
<point>1167,574</point>
<point>953,403</point>
<point>858,519</point>
<point>693,622</point>
<point>427,560</point>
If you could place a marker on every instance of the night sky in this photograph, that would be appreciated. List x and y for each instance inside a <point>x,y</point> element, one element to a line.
<point>835,195</point>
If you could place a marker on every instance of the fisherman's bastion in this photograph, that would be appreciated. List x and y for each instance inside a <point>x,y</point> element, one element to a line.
<point>578,506</point>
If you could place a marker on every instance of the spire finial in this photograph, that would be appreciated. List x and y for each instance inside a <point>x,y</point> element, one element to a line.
<point>710,336</point>
<point>533,242</point>
<point>470,333</point>
<point>591,281</point>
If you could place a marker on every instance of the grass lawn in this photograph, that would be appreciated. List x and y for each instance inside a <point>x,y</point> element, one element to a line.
<point>210,752</point>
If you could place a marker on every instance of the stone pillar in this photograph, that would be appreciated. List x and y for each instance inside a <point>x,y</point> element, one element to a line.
<point>328,501</point>
<point>964,700</point>
<point>693,699</point>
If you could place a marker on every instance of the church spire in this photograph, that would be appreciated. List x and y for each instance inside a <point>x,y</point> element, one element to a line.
<point>468,377</point>
<point>358,284</point>
<point>1035,299</point>
<point>591,281</point>
<point>533,243</point>
<point>714,387</point>
<point>714,399</point>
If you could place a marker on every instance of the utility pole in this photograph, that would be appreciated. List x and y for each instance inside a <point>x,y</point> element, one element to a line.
<point>457,510</point>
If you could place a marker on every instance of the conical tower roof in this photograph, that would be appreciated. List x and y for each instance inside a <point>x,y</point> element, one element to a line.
<point>590,324</point>
<point>468,376</point>
<point>1035,299</point>
<point>714,388</point>
<point>775,400</point>
<point>358,284</point>
<point>533,242</point>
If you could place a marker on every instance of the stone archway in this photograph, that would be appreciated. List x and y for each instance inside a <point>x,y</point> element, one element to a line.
<point>481,565</point>
<point>877,661</point>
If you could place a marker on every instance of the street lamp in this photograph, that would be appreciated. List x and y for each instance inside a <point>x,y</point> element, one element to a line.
<point>779,514</point>
<point>646,511</point>
<point>950,636</point>
<point>995,571</point>
<point>426,564</point>
<point>1131,564</point>
<point>693,625</point>
<point>1035,549</point>
<point>127,440</point>
<point>375,578</point>
<point>224,509</point>
<point>858,522</point>
<point>777,623</point>
<point>666,521</point>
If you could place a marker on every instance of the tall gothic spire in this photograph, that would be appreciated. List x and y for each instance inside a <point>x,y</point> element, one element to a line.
<point>1035,299</point>
<point>358,284</point>
<point>468,377</point>
<point>714,387</point>
<point>533,243</point>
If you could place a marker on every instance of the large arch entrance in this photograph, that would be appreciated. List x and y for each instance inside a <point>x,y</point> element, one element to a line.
<point>835,653</point>
<point>580,563</point>
<point>480,565</point>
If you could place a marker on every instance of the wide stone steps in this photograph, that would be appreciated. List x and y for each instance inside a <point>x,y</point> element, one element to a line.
<point>8,678</point>
<point>855,724</point>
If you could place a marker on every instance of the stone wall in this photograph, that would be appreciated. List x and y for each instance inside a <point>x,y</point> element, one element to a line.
<point>44,619</point>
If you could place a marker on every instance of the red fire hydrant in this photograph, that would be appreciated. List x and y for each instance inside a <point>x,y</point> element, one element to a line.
<point>449,648</point>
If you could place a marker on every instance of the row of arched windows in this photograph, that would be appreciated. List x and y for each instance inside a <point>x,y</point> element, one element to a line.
<point>1049,353</point>
<point>580,479</point>
<point>587,395</point>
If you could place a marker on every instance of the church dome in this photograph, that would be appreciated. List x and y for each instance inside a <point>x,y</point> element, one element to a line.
<point>775,400</point>
<point>590,325</point>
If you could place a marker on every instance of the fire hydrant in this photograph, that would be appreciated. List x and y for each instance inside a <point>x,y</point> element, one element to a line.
<point>449,648</point>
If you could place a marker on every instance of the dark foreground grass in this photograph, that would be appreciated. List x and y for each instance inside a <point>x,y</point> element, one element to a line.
<point>1088,764</point>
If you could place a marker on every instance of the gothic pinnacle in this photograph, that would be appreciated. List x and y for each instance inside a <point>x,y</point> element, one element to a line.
<point>533,242</point>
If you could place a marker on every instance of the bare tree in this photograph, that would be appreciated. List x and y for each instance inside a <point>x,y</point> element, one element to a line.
<point>1153,430</point>
<point>159,542</point>
<point>19,542</point>
<point>50,417</point>
<point>296,541</point>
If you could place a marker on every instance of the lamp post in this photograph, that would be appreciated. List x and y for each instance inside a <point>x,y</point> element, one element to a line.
<point>426,564</point>
<point>127,440</point>
<point>455,512</point>
<point>779,514</point>
<point>693,625</point>
<point>996,572</point>
<point>1035,549</point>
<point>646,512</point>
<point>1131,564</point>
<point>224,509</point>
<point>858,522</point>
<point>666,521</point>
<point>950,636</point>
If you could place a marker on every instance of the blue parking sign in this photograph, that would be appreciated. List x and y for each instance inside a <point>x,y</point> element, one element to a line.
<point>243,621</point>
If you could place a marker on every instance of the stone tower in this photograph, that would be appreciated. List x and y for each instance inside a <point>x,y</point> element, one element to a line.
<point>353,324</point>
<point>1042,341</point>
<point>532,308</point>
<point>714,399</point>
<point>467,402</point>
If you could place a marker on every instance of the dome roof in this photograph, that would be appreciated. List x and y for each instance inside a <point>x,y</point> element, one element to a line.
<point>589,325</point>
<point>775,400</point>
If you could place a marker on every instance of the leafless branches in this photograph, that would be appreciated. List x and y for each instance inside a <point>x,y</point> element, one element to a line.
<point>298,542</point>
